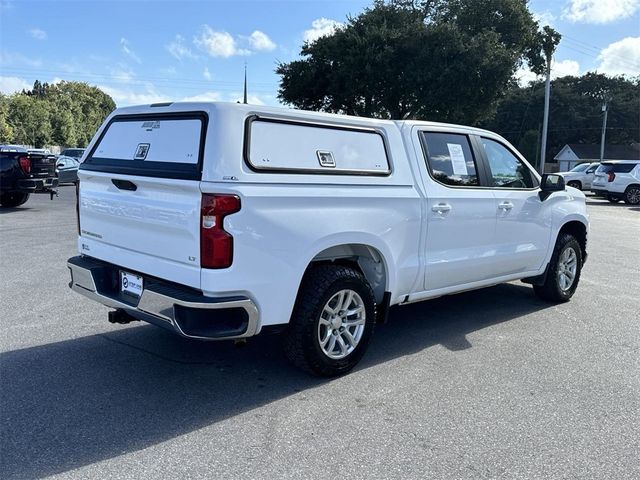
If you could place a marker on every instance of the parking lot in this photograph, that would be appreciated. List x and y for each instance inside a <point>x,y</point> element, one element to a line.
<point>487,384</point>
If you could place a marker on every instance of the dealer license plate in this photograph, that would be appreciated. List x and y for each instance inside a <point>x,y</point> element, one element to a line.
<point>130,283</point>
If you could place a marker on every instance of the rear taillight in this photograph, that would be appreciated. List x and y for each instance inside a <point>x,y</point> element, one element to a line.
<point>612,176</point>
<point>78,205</point>
<point>216,245</point>
<point>25,164</point>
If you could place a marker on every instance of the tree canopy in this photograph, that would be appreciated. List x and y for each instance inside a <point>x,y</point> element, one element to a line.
<point>66,114</point>
<point>575,113</point>
<point>447,60</point>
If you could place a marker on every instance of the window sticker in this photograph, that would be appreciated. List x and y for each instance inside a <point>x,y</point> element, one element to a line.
<point>325,158</point>
<point>458,161</point>
<point>141,151</point>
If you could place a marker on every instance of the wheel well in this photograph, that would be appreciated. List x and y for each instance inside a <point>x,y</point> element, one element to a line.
<point>632,185</point>
<point>363,258</point>
<point>576,181</point>
<point>579,231</point>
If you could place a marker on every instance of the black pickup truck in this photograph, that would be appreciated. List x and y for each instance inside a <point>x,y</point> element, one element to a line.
<point>23,173</point>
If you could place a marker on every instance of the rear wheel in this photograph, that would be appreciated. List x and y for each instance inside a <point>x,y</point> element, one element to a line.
<point>13,199</point>
<point>332,321</point>
<point>564,271</point>
<point>575,184</point>
<point>632,195</point>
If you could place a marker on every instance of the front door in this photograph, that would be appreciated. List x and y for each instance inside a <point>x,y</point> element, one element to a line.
<point>523,226</point>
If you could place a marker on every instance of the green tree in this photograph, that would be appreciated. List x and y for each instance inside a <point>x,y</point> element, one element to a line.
<point>437,59</point>
<point>575,113</point>
<point>6,131</point>
<point>30,120</point>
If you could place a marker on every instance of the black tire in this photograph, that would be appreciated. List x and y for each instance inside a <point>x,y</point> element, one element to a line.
<point>632,195</point>
<point>301,340</point>
<point>13,199</point>
<point>613,198</point>
<point>575,184</point>
<point>551,289</point>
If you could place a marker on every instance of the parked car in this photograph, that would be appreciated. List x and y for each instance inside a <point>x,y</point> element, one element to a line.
<point>73,152</point>
<point>23,172</point>
<point>580,176</point>
<point>618,180</point>
<point>67,169</point>
<point>221,221</point>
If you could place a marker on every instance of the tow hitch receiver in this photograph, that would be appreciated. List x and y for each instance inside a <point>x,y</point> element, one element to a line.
<point>120,316</point>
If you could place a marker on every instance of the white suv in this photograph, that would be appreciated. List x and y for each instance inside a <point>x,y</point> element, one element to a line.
<point>618,180</point>
<point>221,221</point>
<point>580,176</point>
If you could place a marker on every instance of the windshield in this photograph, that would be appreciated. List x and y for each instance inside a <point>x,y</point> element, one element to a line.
<point>580,168</point>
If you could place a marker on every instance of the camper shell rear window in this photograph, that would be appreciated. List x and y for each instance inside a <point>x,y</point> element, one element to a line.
<point>151,145</point>
<point>277,145</point>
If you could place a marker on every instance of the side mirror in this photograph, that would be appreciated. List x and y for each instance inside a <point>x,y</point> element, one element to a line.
<point>550,183</point>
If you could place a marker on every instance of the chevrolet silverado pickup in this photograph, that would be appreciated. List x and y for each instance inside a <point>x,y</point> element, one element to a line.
<point>221,221</point>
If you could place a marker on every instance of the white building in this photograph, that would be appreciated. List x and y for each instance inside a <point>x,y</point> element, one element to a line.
<point>573,154</point>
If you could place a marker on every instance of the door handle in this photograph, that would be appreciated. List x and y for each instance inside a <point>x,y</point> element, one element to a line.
<point>441,208</point>
<point>506,206</point>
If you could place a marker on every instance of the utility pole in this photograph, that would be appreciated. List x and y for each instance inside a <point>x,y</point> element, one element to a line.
<point>545,118</point>
<point>549,39</point>
<point>605,109</point>
<point>245,83</point>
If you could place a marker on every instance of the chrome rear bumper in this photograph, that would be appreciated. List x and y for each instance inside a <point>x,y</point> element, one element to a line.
<point>187,313</point>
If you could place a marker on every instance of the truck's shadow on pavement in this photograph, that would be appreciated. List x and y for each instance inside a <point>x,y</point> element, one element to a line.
<point>77,402</point>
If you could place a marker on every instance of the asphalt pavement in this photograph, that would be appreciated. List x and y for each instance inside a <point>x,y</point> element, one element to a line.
<point>487,384</point>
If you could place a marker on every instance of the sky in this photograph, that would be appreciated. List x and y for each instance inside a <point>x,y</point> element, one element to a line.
<point>144,51</point>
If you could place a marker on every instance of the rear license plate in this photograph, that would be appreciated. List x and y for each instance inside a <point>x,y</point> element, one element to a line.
<point>130,284</point>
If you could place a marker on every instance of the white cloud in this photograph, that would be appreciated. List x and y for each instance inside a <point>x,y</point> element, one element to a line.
<point>179,50</point>
<point>544,18</point>
<point>38,34</point>
<point>260,41</point>
<point>10,59</point>
<point>321,27</point>
<point>204,97</point>
<point>621,58</point>
<point>122,74</point>
<point>218,44</point>
<point>599,11</point>
<point>207,74</point>
<point>251,98</point>
<point>9,85</point>
<point>124,44</point>
<point>129,96</point>
<point>560,68</point>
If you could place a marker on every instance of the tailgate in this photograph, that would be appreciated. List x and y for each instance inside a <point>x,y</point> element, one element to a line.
<point>139,196</point>
<point>42,165</point>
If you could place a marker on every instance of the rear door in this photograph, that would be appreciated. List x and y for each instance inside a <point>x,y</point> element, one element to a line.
<point>139,199</point>
<point>461,215</point>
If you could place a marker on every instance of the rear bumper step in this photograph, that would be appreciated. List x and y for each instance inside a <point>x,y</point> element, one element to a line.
<point>180,309</point>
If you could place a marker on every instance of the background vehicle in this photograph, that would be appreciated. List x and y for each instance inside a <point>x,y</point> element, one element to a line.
<point>220,220</point>
<point>73,152</point>
<point>580,176</point>
<point>25,172</point>
<point>67,169</point>
<point>618,180</point>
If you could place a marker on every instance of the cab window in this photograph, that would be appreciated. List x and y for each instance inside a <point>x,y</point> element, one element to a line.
<point>505,169</point>
<point>449,159</point>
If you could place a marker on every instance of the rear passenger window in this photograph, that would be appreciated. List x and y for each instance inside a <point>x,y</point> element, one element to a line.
<point>449,159</point>
<point>507,170</point>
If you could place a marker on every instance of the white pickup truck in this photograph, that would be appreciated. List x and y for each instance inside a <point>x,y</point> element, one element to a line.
<point>219,221</point>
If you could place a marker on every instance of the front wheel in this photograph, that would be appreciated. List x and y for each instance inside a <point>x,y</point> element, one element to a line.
<point>575,184</point>
<point>332,321</point>
<point>632,195</point>
<point>13,199</point>
<point>564,271</point>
